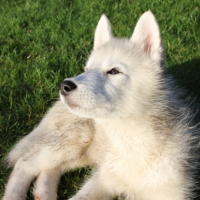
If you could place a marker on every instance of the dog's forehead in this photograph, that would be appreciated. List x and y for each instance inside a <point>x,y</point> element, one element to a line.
<point>97,62</point>
<point>109,53</point>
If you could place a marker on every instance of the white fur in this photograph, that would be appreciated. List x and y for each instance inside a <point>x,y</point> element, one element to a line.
<point>147,35</point>
<point>131,126</point>
<point>103,32</point>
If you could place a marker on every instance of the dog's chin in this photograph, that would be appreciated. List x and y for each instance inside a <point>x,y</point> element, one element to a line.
<point>78,110</point>
<point>83,112</point>
<point>72,105</point>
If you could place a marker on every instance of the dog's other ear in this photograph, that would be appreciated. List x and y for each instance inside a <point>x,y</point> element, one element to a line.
<point>147,36</point>
<point>103,32</point>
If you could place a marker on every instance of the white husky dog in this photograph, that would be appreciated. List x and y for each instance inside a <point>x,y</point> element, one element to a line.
<point>122,116</point>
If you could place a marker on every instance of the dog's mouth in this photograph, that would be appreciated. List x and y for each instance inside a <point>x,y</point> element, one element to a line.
<point>68,103</point>
<point>72,105</point>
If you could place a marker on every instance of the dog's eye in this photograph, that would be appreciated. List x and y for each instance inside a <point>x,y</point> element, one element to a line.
<point>113,71</point>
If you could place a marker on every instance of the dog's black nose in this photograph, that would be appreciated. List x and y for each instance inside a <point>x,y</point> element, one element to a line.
<point>67,86</point>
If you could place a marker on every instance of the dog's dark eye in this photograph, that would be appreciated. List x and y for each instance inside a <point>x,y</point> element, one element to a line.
<point>113,71</point>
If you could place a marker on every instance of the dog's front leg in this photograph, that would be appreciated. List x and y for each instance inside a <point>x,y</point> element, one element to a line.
<point>45,187</point>
<point>94,189</point>
<point>20,179</point>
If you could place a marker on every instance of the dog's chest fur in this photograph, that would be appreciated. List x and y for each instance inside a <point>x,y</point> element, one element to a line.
<point>132,157</point>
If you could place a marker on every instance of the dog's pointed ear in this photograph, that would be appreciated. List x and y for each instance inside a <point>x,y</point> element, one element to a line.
<point>147,36</point>
<point>103,32</point>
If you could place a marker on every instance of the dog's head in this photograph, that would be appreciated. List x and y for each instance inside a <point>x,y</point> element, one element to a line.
<point>121,75</point>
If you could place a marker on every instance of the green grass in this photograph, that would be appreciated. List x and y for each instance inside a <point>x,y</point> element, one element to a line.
<point>43,42</point>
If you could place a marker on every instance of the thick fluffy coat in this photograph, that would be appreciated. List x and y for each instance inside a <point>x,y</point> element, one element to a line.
<point>124,117</point>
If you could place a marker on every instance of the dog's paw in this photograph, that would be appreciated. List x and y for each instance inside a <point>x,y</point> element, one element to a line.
<point>37,198</point>
<point>76,198</point>
<point>44,195</point>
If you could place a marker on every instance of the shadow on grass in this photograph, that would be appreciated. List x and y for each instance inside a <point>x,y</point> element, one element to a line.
<point>187,76</point>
